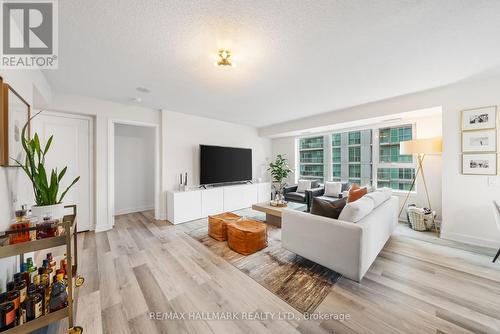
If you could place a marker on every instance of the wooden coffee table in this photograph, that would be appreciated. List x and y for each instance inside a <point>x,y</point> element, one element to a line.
<point>273,213</point>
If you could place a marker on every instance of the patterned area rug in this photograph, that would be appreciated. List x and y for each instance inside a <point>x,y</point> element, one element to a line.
<point>301,283</point>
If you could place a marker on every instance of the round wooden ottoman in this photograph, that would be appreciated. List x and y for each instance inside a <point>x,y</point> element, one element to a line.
<point>247,236</point>
<point>217,225</point>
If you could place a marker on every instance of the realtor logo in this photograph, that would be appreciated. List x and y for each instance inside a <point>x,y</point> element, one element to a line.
<point>29,34</point>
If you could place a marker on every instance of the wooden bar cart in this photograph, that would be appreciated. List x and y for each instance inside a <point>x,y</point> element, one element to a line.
<point>68,238</point>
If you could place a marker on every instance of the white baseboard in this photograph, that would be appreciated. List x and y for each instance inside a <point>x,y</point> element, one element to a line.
<point>489,243</point>
<point>131,210</point>
<point>104,228</point>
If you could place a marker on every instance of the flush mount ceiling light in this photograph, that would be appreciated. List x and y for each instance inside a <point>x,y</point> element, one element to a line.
<point>224,58</point>
<point>142,90</point>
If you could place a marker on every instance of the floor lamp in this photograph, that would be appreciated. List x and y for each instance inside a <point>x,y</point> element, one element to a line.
<point>420,148</point>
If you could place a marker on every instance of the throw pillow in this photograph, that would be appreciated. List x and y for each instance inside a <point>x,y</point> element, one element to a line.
<point>356,193</point>
<point>354,212</point>
<point>378,197</point>
<point>321,207</point>
<point>303,185</point>
<point>333,189</point>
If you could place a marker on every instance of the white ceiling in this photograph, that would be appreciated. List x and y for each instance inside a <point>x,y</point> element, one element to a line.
<point>296,57</point>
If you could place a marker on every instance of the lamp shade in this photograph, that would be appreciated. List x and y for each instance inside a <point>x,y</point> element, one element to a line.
<point>422,146</point>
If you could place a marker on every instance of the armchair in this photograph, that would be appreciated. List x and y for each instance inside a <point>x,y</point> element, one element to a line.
<point>320,193</point>
<point>291,194</point>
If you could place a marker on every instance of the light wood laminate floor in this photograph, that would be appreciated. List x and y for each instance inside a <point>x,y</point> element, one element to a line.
<point>143,265</point>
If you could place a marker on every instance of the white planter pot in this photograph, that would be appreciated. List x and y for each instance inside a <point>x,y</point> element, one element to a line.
<point>55,211</point>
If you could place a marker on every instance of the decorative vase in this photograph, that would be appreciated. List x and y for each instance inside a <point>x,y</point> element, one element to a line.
<point>279,192</point>
<point>55,211</point>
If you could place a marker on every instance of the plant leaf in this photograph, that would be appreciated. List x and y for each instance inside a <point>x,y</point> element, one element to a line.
<point>61,174</point>
<point>36,141</point>
<point>71,185</point>
<point>47,146</point>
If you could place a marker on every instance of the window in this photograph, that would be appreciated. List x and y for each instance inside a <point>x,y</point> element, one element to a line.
<point>354,138</point>
<point>311,152</point>
<point>355,171</point>
<point>396,178</point>
<point>352,157</point>
<point>336,155</point>
<point>355,154</point>
<point>389,139</point>
<point>336,139</point>
<point>336,172</point>
<point>395,170</point>
<point>358,157</point>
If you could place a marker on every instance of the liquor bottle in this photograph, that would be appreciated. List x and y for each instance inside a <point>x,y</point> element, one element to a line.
<point>22,287</point>
<point>41,290</point>
<point>25,274</point>
<point>47,271</point>
<point>64,265</point>
<point>34,303</point>
<point>52,263</point>
<point>7,313</point>
<point>32,270</point>
<point>14,297</point>
<point>58,295</point>
<point>45,282</point>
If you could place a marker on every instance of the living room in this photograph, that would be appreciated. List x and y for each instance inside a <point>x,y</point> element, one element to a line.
<point>308,167</point>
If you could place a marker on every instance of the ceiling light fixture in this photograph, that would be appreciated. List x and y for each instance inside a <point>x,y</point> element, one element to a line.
<point>224,58</point>
<point>142,90</point>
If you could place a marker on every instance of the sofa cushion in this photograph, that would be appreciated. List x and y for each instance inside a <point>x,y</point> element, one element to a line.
<point>333,189</point>
<point>386,191</point>
<point>329,199</point>
<point>378,197</point>
<point>296,197</point>
<point>327,208</point>
<point>355,211</point>
<point>355,193</point>
<point>303,185</point>
<point>314,184</point>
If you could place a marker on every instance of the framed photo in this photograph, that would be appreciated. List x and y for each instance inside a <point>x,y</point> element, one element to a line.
<point>15,112</point>
<point>479,119</point>
<point>479,164</point>
<point>479,141</point>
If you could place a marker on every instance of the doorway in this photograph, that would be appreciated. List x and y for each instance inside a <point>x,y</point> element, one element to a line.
<point>133,176</point>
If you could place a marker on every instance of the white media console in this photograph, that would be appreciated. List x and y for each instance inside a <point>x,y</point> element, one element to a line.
<point>184,206</point>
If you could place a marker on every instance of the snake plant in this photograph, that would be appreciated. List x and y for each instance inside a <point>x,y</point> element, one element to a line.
<point>45,186</point>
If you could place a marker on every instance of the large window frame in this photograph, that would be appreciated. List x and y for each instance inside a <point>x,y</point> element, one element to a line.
<point>376,164</point>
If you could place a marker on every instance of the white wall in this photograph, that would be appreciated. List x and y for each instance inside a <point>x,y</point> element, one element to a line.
<point>134,168</point>
<point>287,147</point>
<point>466,200</point>
<point>182,135</point>
<point>14,185</point>
<point>103,112</point>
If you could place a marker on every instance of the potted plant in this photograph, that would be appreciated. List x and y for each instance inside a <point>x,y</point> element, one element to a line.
<point>48,197</point>
<point>279,171</point>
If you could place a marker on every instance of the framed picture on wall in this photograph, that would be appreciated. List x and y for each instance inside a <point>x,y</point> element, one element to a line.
<point>479,119</point>
<point>15,112</point>
<point>479,164</point>
<point>479,141</point>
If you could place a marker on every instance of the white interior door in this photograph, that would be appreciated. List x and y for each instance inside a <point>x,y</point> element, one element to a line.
<point>71,147</point>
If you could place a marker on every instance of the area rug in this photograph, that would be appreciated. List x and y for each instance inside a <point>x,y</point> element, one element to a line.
<point>301,283</point>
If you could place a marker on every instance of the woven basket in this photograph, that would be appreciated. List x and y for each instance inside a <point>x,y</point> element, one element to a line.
<point>419,220</point>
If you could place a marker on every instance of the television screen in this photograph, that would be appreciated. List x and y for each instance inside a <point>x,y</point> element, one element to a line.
<point>225,164</point>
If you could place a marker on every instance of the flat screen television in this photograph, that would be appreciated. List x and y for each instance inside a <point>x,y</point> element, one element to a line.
<point>225,164</point>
